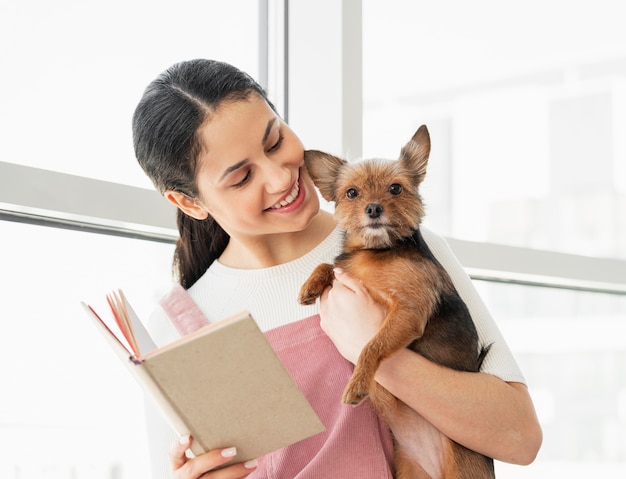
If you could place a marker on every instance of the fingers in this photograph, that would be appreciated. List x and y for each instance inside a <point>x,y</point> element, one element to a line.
<point>353,284</point>
<point>177,452</point>
<point>187,468</point>
<point>342,284</point>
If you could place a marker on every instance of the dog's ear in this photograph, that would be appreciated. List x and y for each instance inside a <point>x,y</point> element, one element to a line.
<point>324,170</point>
<point>414,155</point>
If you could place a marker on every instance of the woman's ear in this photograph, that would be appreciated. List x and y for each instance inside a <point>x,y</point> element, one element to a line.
<point>186,204</point>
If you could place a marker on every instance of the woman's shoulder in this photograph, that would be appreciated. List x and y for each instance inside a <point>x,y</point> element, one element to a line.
<point>160,327</point>
<point>440,248</point>
<point>433,240</point>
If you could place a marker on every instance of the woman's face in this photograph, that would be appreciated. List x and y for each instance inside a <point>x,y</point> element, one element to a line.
<point>251,175</point>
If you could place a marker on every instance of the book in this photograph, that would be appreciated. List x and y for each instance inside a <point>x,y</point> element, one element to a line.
<point>222,384</point>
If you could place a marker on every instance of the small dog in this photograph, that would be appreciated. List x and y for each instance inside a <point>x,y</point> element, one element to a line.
<point>378,204</point>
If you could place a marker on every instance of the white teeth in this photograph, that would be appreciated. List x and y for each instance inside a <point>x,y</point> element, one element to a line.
<point>292,196</point>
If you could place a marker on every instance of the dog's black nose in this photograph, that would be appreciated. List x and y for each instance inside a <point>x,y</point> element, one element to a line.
<point>373,210</point>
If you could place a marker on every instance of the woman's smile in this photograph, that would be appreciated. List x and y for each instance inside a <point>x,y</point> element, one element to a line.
<point>291,201</point>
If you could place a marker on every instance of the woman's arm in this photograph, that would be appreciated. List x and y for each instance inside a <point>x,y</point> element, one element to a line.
<point>480,411</point>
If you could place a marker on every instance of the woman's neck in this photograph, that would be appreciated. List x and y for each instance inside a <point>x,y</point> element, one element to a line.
<point>266,251</point>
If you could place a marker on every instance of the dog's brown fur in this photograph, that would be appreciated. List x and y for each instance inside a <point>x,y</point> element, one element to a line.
<point>378,204</point>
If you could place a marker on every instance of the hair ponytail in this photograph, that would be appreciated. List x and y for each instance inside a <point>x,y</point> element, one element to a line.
<point>200,243</point>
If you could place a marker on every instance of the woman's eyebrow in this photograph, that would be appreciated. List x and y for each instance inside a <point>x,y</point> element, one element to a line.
<point>268,130</point>
<point>232,168</point>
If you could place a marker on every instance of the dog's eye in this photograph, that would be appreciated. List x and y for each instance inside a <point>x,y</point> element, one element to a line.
<point>395,189</point>
<point>352,193</point>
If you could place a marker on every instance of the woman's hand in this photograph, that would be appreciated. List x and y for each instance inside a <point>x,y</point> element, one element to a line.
<point>184,467</point>
<point>349,315</point>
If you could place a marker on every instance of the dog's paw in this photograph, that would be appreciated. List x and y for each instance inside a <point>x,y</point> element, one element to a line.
<point>311,290</point>
<point>354,399</point>
<point>354,393</point>
<point>314,286</point>
<point>307,296</point>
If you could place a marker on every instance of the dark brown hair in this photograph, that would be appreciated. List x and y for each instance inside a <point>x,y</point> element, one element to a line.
<point>165,125</point>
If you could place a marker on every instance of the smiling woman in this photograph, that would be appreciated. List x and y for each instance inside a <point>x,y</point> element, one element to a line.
<point>215,115</point>
<point>270,186</point>
<point>510,107</point>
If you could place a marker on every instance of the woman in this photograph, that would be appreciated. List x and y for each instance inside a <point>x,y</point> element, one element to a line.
<point>251,231</point>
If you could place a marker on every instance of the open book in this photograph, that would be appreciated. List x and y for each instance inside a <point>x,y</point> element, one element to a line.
<point>223,384</point>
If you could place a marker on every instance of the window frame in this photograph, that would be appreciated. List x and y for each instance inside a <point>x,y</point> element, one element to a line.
<point>30,195</point>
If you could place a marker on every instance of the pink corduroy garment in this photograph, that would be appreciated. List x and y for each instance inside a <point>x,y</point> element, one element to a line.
<point>356,443</point>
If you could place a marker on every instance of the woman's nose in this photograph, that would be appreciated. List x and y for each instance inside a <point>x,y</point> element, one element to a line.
<point>278,177</point>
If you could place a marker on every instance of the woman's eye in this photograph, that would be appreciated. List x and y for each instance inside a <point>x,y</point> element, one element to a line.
<point>351,193</point>
<point>395,189</point>
<point>244,180</point>
<point>277,144</point>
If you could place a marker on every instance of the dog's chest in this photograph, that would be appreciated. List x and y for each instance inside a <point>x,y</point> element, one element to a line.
<point>385,268</point>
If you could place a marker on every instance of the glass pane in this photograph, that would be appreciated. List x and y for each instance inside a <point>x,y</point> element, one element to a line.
<point>68,408</point>
<point>73,72</point>
<point>526,105</point>
<point>571,348</point>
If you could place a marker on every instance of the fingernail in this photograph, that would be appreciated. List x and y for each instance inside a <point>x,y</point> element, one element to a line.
<point>251,464</point>
<point>229,452</point>
<point>337,270</point>
<point>183,440</point>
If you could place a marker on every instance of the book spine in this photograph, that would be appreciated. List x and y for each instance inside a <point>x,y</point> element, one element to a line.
<point>160,398</point>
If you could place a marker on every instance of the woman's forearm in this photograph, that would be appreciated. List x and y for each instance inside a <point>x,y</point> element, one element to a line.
<point>477,410</point>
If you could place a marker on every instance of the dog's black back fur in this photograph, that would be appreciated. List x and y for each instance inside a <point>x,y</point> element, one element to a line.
<point>434,345</point>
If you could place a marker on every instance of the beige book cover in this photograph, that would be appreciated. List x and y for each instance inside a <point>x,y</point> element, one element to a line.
<point>223,384</point>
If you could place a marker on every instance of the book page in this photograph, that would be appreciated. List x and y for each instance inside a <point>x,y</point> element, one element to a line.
<point>118,308</point>
<point>143,340</point>
<point>118,341</point>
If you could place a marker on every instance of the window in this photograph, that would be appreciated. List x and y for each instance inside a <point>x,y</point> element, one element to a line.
<point>526,106</point>
<point>69,407</point>
<point>525,103</point>
<point>74,71</point>
<point>570,347</point>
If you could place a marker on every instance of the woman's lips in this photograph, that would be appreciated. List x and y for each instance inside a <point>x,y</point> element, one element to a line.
<point>289,199</point>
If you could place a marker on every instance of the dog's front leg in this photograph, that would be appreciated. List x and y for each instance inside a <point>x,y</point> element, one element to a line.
<point>399,329</point>
<point>321,277</point>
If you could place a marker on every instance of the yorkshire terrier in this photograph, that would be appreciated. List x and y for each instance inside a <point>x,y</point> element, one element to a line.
<point>378,204</point>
